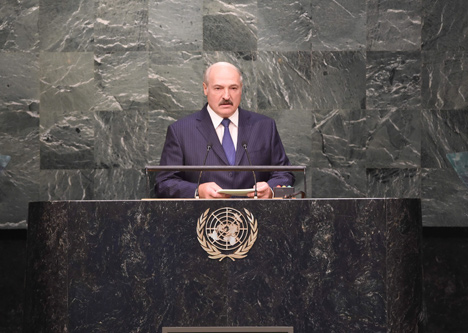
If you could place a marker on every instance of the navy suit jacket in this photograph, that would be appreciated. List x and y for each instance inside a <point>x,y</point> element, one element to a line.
<point>186,144</point>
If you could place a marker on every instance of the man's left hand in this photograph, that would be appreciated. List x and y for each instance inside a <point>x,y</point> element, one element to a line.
<point>263,191</point>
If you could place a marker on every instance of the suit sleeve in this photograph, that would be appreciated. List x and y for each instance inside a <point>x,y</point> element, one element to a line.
<point>172,184</point>
<point>279,157</point>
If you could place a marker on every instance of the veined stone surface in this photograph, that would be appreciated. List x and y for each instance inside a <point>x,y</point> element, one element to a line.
<point>369,95</point>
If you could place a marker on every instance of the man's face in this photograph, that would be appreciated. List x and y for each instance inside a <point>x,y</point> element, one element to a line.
<point>223,90</point>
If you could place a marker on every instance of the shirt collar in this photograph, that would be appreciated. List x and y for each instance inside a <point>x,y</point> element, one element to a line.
<point>216,119</point>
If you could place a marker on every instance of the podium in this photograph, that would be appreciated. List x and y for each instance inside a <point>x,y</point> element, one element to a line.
<point>317,265</point>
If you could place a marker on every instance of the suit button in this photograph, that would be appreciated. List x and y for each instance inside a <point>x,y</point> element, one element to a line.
<point>230,174</point>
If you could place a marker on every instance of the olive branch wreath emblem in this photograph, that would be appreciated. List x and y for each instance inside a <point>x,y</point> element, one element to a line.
<point>214,252</point>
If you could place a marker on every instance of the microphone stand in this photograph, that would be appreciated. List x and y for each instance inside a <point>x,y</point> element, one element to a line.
<point>255,178</point>
<point>208,148</point>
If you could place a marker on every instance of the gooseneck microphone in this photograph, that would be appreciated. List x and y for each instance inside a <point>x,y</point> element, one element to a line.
<point>208,148</point>
<point>244,145</point>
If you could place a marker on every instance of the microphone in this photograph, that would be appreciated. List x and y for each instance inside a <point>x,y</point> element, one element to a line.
<point>244,145</point>
<point>208,148</point>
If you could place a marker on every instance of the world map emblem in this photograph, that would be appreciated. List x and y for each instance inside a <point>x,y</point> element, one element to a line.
<point>227,233</point>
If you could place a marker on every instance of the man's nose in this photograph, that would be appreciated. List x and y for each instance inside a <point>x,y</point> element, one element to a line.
<point>226,95</point>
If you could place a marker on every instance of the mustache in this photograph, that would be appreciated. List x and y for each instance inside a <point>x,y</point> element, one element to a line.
<point>226,102</point>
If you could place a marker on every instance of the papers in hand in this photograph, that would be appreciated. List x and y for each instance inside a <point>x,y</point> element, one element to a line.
<point>238,192</point>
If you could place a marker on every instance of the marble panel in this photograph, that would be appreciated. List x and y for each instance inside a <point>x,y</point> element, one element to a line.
<point>19,74</point>
<point>404,278</point>
<point>229,26</point>
<point>445,25</point>
<point>121,25</point>
<point>444,80</point>
<point>67,96</point>
<point>338,80</point>
<point>393,183</point>
<point>350,269</point>
<point>138,266</point>
<point>19,134</point>
<point>394,139</point>
<point>66,185</point>
<point>294,128</point>
<point>67,81</point>
<point>121,139</point>
<point>338,138</point>
<point>284,25</point>
<point>66,26</point>
<point>394,25</point>
<point>443,132</point>
<point>48,239</point>
<point>19,180</point>
<point>120,184</point>
<point>338,25</point>
<point>284,80</point>
<point>18,30</point>
<point>18,187</point>
<point>175,81</point>
<point>158,121</point>
<point>445,266</point>
<point>347,182</point>
<point>247,63</point>
<point>444,198</point>
<point>175,25</point>
<point>122,81</point>
<point>393,80</point>
<point>67,140</point>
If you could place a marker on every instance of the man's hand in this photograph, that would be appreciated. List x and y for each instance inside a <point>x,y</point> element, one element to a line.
<point>208,191</point>
<point>263,191</point>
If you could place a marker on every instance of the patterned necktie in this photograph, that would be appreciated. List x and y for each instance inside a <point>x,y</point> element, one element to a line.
<point>228,145</point>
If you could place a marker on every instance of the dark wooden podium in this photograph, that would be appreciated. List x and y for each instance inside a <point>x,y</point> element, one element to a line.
<point>344,265</point>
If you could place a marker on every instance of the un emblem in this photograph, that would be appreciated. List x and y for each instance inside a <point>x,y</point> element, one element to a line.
<point>227,232</point>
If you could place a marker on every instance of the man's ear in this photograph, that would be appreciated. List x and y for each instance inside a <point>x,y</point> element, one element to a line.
<point>205,88</point>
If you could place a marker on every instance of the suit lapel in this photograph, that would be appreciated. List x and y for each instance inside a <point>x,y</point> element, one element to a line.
<point>206,129</point>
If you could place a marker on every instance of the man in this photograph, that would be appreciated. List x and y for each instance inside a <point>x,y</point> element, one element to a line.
<point>202,135</point>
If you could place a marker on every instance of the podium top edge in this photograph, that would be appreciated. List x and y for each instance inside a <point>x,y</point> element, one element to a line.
<point>225,200</point>
<point>226,168</point>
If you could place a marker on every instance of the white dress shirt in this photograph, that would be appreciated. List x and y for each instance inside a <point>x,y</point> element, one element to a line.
<point>233,125</point>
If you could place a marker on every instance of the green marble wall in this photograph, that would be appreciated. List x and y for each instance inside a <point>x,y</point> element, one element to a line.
<point>370,95</point>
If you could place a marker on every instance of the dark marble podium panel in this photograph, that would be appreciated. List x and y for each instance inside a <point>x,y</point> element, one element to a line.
<point>347,265</point>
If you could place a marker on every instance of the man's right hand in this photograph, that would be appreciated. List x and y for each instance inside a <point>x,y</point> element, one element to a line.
<point>208,191</point>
